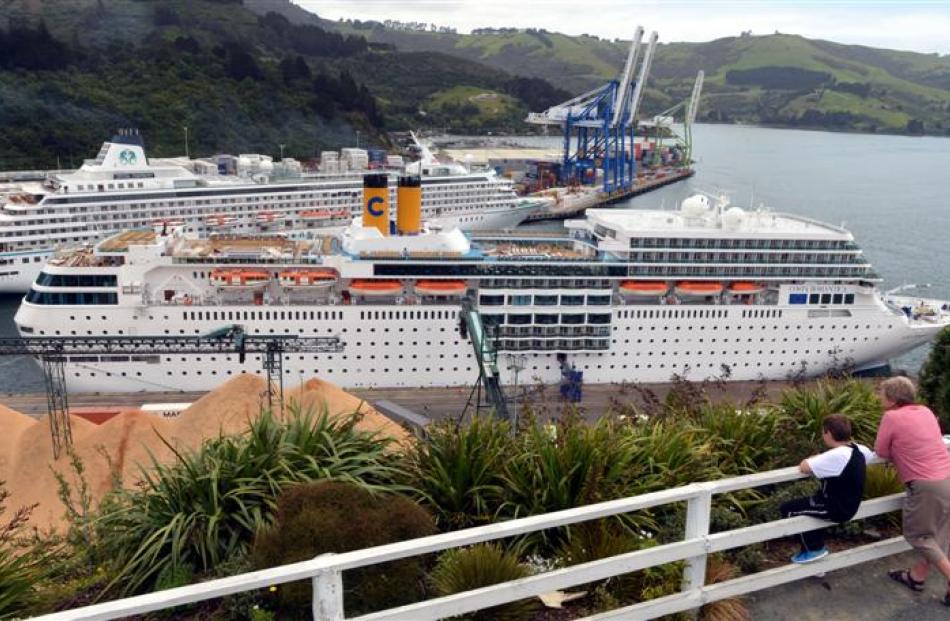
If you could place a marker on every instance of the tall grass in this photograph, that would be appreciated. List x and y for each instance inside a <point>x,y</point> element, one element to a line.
<point>205,507</point>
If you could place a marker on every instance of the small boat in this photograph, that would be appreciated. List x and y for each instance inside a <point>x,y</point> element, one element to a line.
<point>686,288</point>
<point>649,288</point>
<point>239,278</point>
<point>318,214</point>
<point>168,222</point>
<point>440,287</point>
<point>220,220</point>
<point>375,287</point>
<point>266,216</point>
<point>307,278</point>
<point>745,288</point>
<point>341,213</point>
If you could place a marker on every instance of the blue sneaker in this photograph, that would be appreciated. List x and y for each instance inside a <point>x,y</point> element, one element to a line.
<point>807,556</point>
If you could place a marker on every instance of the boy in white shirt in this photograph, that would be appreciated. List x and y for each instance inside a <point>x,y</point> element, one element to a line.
<point>841,470</point>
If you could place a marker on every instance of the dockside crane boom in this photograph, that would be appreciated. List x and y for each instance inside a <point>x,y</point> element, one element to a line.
<point>623,94</point>
<point>637,96</point>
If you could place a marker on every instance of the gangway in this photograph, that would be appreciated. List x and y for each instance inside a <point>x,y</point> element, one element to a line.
<point>599,125</point>
<point>54,352</point>
<point>471,325</point>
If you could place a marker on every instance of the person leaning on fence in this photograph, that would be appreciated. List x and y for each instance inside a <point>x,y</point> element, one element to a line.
<point>841,470</point>
<point>909,436</point>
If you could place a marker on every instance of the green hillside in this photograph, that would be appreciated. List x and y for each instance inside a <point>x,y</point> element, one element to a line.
<point>72,71</point>
<point>782,80</point>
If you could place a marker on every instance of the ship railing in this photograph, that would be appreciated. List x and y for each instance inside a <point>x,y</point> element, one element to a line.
<point>694,546</point>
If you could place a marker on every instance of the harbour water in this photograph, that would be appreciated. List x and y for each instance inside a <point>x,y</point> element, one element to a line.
<point>888,190</point>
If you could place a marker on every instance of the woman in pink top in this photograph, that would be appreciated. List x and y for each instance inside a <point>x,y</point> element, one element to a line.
<point>910,437</point>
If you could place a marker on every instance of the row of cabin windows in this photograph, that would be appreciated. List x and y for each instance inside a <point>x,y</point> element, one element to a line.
<point>546,319</point>
<point>686,313</point>
<point>262,315</point>
<point>79,298</point>
<point>756,244</point>
<point>544,300</point>
<point>76,280</point>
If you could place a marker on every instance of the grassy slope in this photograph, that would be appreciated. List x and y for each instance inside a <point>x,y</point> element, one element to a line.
<point>904,85</point>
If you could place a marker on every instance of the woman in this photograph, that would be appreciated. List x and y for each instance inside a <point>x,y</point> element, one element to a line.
<point>910,437</point>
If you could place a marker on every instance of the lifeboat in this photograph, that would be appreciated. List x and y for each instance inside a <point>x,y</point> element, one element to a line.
<point>341,213</point>
<point>239,278</point>
<point>745,288</point>
<point>643,288</point>
<point>266,216</point>
<point>220,220</point>
<point>687,289</point>
<point>168,222</point>
<point>307,278</point>
<point>440,287</point>
<point>376,287</point>
<point>318,214</point>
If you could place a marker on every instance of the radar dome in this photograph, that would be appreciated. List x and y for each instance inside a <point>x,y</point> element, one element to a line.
<point>732,218</point>
<point>695,206</point>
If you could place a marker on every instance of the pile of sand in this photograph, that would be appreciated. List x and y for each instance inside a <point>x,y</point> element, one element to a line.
<point>131,438</point>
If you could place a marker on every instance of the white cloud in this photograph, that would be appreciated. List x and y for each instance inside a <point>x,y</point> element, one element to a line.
<point>914,25</point>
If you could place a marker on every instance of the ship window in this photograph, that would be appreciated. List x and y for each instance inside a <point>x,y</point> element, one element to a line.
<point>813,298</point>
<point>798,298</point>
<point>837,298</point>
<point>849,298</point>
<point>826,298</point>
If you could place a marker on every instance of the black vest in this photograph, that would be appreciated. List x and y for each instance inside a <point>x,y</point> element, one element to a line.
<point>842,494</point>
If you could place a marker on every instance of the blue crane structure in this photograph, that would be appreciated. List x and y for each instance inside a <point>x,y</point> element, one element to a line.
<point>599,125</point>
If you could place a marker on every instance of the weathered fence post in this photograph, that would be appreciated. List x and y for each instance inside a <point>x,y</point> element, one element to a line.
<point>698,510</point>
<point>328,594</point>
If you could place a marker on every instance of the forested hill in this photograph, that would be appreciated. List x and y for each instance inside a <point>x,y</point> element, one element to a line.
<point>778,79</point>
<point>72,71</point>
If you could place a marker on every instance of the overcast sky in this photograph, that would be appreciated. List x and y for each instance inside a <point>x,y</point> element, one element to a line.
<point>922,26</point>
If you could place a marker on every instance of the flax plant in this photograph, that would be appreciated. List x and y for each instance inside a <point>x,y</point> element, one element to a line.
<point>203,509</point>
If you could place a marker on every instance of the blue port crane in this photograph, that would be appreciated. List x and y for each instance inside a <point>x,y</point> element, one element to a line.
<point>599,125</point>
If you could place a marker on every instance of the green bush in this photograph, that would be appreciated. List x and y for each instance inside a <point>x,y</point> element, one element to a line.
<point>482,565</point>
<point>935,379</point>
<point>805,407</point>
<point>18,569</point>
<point>330,516</point>
<point>743,440</point>
<point>459,472</point>
<point>206,507</point>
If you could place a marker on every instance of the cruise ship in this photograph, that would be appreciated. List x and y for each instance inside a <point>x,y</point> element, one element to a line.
<point>708,290</point>
<point>120,189</point>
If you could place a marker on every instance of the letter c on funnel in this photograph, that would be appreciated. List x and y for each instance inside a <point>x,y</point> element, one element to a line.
<point>371,206</point>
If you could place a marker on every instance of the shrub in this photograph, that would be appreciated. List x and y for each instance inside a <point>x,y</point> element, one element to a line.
<point>935,379</point>
<point>205,508</point>
<point>731,609</point>
<point>329,516</point>
<point>18,571</point>
<point>882,480</point>
<point>743,440</point>
<point>459,472</point>
<point>482,565</point>
<point>804,408</point>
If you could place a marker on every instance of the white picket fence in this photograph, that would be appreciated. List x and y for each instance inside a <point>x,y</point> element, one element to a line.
<point>326,570</point>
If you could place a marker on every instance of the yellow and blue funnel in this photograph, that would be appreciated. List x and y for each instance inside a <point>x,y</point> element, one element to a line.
<point>376,202</point>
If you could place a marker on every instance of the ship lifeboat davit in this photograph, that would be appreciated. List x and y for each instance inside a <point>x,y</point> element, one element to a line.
<point>318,214</point>
<point>239,278</point>
<point>307,278</point>
<point>375,287</point>
<point>440,287</point>
<point>745,288</point>
<point>643,288</point>
<point>692,289</point>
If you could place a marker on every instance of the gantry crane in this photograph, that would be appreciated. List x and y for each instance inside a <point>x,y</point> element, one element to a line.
<point>662,124</point>
<point>232,339</point>
<point>599,125</point>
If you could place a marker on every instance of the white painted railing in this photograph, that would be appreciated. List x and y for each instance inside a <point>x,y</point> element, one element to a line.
<point>326,571</point>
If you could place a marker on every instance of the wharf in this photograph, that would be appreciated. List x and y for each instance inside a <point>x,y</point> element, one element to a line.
<point>433,403</point>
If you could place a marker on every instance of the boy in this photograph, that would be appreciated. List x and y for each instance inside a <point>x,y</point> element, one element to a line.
<point>841,470</point>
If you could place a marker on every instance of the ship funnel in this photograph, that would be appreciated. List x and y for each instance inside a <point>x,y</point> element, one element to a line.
<point>409,205</point>
<point>376,202</point>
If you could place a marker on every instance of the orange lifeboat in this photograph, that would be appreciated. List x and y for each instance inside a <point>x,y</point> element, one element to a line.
<point>318,214</point>
<point>239,278</point>
<point>341,213</point>
<point>376,287</point>
<point>220,220</point>
<point>307,278</point>
<point>167,222</point>
<point>266,216</point>
<point>440,287</point>
<point>643,287</point>
<point>686,288</point>
<point>745,288</point>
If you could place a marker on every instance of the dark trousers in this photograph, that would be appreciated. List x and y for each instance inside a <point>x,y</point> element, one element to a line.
<point>813,506</point>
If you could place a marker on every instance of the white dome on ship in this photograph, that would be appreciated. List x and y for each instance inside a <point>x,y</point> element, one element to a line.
<point>733,217</point>
<point>695,206</point>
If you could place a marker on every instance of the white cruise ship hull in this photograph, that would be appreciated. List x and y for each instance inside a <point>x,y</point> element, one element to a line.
<point>420,346</point>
